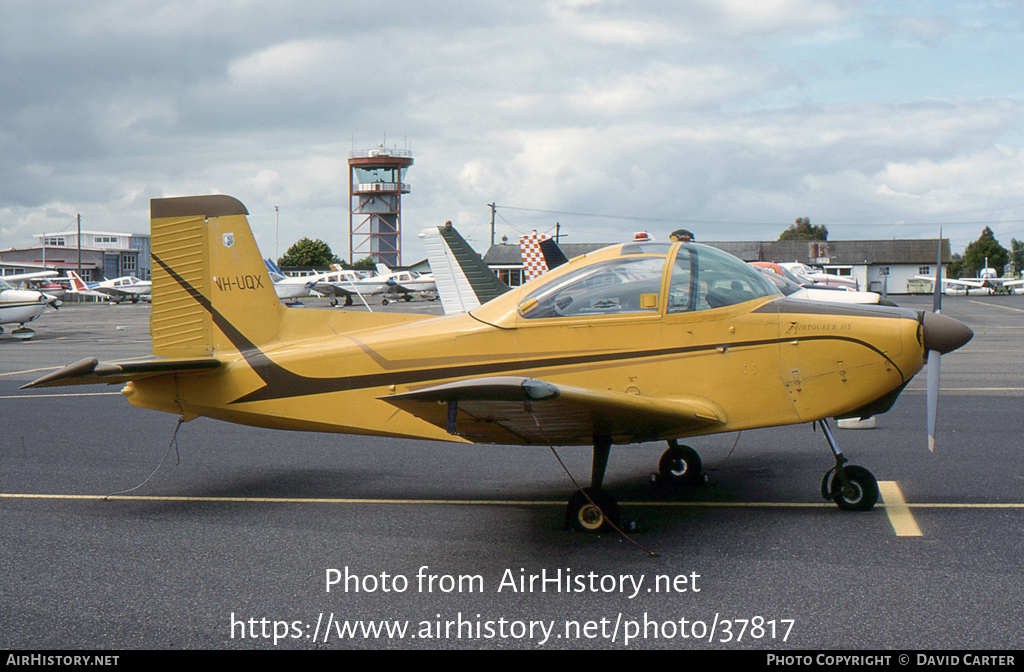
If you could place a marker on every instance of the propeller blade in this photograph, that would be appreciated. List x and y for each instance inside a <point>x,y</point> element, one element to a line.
<point>932,395</point>
<point>937,295</point>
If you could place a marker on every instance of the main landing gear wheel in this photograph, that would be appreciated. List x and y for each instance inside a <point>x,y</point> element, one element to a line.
<point>593,509</point>
<point>384,302</point>
<point>598,513</point>
<point>860,492</point>
<point>681,465</point>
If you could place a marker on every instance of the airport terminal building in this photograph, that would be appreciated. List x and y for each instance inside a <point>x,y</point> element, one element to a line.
<point>103,254</point>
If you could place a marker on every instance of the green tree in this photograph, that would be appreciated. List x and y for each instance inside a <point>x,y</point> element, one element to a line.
<point>955,267</point>
<point>1017,255</point>
<point>365,263</point>
<point>802,229</point>
<point>306,252</point>
<point>985,247</point>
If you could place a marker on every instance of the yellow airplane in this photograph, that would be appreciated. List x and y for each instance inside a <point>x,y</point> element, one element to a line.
<point>633,343</point>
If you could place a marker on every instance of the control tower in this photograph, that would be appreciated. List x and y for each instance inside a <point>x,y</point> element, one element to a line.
<point>376,180</point>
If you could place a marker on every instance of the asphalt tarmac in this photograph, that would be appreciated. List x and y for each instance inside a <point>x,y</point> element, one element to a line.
<point>249,538</point>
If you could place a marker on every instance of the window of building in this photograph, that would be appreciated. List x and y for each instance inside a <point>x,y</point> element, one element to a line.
<point>924,270</point>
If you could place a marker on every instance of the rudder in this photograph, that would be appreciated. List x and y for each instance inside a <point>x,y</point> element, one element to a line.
<point>211,291</point>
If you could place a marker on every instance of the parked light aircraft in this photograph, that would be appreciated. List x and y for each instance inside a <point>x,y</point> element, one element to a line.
<point>35,280</point>
<point>346,283</point>
<point>805,272</point>
<point>287,287</point>
<point>987,279</point>
<point>632,343</point>
<point>119,289</point>
<point>404,284</point>
<point>18,306</point>
<point>791,286</point>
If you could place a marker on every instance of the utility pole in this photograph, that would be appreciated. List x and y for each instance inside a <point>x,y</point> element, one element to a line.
<point>277,220</point>
<point>493,208</point>
<point>79,244</point>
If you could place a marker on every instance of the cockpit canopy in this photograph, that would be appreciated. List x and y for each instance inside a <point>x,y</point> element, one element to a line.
<point>693,277</point>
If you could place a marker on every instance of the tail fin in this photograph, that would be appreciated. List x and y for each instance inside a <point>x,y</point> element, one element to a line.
<point>463,280</point>
<point>382,269</point>
<point>77,284</point>
<point>553,255</point>
<point>211,290</point>
<point>274,270</point>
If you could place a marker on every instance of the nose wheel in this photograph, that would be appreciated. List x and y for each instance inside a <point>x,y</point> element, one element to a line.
<point>680,465</point>
<point>851,487</point>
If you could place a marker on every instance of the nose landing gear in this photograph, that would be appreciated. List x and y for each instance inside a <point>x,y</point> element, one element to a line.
<point>680,465</point>
<point>851,487</point>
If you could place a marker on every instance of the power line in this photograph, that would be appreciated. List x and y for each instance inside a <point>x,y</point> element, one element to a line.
<point>739,223</point>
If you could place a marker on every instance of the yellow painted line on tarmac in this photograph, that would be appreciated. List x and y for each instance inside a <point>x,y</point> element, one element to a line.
<point>983,303</point>
<point>968,389</point>
<point>482,502</point>
<point>65,394</point>
<point>45,368</point>
<point>281,500</point>
<point>902,521</point>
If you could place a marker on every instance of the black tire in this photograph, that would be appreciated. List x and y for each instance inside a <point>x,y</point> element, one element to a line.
<point>862,494</point>
<point>384,302</point>
<point>680,464</point>
<point>596,514</point>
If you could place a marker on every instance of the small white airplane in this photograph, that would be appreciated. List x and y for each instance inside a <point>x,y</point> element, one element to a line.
<point>791,286</point>
<point>340,282</point>
<point>18,306</point>
<point>288,287</point>
<point>805,272</point>
<point>126,287</point>
<point>988,279</point>
<point>405,284</point>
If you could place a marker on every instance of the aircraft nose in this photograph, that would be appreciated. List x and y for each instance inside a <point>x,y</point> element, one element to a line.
<point>944,334</point>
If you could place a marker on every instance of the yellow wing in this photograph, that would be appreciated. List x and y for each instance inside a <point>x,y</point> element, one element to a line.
<point>512,409</point>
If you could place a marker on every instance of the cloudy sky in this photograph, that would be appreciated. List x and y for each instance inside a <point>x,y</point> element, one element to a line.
<point>727,117</point>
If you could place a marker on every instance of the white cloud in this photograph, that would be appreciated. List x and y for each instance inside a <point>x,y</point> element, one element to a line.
<point>661,110</point>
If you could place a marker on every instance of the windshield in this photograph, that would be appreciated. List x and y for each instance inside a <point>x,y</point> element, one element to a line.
<point>623,285</point>
<point>4,284</point>
<point>705,277</point>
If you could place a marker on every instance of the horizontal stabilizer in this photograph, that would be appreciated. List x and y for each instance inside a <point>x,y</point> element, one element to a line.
<point>504,409</point>
<point>90,371</point>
